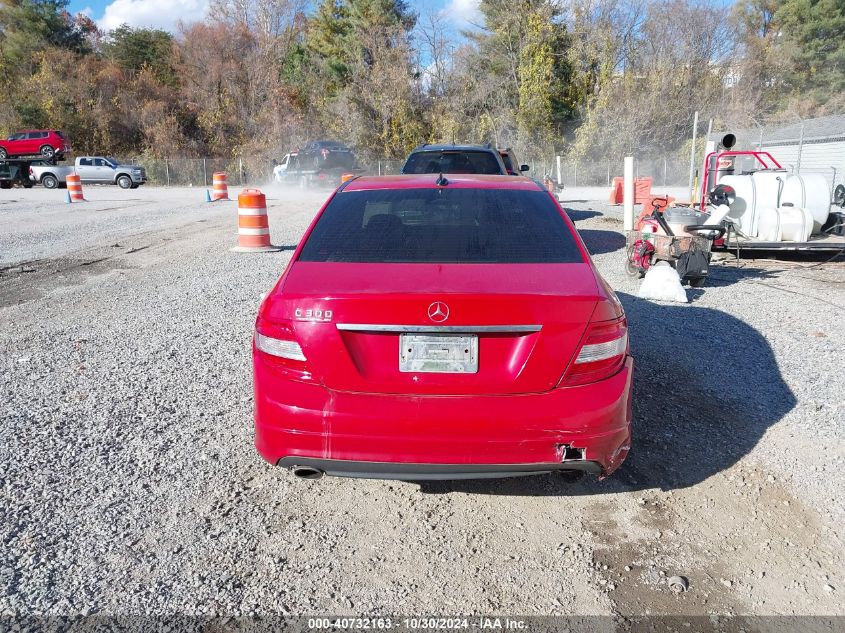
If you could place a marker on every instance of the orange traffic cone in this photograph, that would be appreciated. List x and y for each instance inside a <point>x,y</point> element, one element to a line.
<point>253,225</point>
<point>220,186</point>
<point>74,188</point>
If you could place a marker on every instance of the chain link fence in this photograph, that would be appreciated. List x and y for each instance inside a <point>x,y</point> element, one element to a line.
<point>198,172</point>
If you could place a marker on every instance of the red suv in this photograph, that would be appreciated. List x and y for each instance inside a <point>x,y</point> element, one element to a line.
<point>47,143</point>
<point>432,327</point>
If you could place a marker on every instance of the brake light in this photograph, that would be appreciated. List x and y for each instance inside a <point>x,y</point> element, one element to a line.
<point>277,340</point>
<point>602,353</point>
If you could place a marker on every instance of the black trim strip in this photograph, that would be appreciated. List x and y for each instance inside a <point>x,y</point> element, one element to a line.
<point>423,472</point>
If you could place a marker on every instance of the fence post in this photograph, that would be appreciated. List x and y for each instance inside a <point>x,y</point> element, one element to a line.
<point>692,154</point>
<point>800,148</point>
<point>575,174</point>
<point>379,167</point>
<point>167,171</point>
<point>557,159</point>
<point>204,174</point>
<point>628,194</point>
<point>608,174</point>
<point>241,171</point>
<point>664,171</point>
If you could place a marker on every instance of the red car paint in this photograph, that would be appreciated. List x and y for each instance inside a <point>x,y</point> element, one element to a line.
<point>35,142</point>
<point>347,409</point>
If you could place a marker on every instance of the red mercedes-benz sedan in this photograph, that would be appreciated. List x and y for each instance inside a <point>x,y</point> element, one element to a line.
<point>442,328</point>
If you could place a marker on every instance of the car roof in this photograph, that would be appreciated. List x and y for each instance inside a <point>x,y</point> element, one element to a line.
<point>453,148</point>
<point>456,181</point>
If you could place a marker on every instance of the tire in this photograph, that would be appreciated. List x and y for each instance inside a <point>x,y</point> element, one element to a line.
<point>50,181</point>
<point>124,182</point>
<point>5,184</point>
<point>134,186</point>
<point>47,151</point>
<point>633,271</point>
<point>3,154</point>
<point>697,282</point>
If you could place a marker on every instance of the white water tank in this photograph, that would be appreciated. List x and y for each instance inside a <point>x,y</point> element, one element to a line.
<point>810,192</point>
<point>786,224</point>
<point>753,192</point>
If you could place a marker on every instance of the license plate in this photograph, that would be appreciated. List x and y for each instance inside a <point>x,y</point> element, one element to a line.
<point>438,353</point>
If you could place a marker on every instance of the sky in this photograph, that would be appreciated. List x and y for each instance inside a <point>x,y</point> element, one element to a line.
<point>164,14</point>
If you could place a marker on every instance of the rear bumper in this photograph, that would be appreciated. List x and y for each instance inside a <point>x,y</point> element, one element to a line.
<point>442,437</point>
<point>422,472</point>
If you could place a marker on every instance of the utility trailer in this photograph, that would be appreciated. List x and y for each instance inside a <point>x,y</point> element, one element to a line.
<point>765,208</point>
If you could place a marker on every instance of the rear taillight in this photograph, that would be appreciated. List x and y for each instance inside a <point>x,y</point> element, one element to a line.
<point>277,347</point>
<point>277,340</point>
<point>602,353</point>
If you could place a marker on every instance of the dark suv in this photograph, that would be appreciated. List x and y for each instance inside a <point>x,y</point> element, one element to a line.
<point>325,155</point>
<point>46,143</point>
<point>511,164</point>
<point>454,159</point>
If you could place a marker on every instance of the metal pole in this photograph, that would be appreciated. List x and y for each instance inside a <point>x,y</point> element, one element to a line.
<point>575,174</point>
<point>558,169</point>
<point>800,148</point>
<point>692,154</point>
<point>628,194</point>
<point>241,170</point>
<point>379,167</point>
<point>204,174</point>
<point>167,171</point>
<point>664,171</point>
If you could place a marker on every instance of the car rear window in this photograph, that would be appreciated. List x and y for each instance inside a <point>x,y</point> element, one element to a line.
<point>449,226</point>
<point>452,162</point>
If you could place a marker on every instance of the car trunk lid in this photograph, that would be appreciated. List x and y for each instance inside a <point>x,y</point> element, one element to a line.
<point>528,321</point>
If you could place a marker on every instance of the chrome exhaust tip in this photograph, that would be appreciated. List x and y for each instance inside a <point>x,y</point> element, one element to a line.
<point>307,472</point>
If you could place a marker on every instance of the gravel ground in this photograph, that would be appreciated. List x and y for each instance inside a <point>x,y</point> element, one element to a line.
<point>130,485</point>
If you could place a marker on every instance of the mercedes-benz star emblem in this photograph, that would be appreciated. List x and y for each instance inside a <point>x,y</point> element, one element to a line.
<point>438,312</point>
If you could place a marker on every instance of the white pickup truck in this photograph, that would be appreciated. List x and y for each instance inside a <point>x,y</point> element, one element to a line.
<point>91,169</point>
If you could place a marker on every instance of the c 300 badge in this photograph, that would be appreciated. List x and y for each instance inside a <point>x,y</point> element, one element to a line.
<point>310,314</point>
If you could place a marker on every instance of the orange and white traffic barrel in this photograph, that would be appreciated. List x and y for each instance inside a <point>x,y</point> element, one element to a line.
<point>74,188</point>
<point>220,189</point>
<point>345,177</point>
<point>253,225</point>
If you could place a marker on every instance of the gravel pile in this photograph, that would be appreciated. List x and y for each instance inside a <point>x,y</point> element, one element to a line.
<point>130,485</point>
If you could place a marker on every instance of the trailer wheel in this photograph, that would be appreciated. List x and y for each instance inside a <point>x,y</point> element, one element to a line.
<point>633,271</point>
<point>50,181</point>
